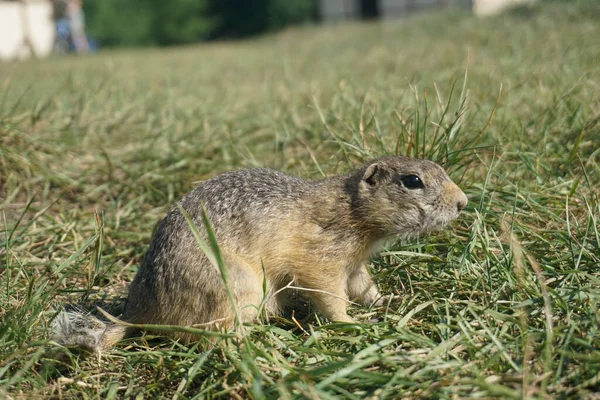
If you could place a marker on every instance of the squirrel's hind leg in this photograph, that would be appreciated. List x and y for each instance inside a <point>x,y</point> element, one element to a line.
<point>251,292</point>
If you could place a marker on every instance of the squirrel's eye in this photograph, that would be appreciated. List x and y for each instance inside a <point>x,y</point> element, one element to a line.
<point>412,182</point>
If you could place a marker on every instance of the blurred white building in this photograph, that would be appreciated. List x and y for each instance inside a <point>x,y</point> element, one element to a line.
<point>332,10</point>
<point>26,29</point>
<point>486,7</point>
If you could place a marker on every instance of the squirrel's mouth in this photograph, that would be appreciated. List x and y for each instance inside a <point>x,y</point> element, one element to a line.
<point>438,224</point>
<point>404,228</point>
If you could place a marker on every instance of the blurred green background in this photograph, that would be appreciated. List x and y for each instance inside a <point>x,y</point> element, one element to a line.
<point>159,23</point>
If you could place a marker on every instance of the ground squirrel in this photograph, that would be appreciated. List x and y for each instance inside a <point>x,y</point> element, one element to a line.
<point>273,229</point>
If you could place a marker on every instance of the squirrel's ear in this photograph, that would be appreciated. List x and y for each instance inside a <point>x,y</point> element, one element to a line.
<point>374,174</point>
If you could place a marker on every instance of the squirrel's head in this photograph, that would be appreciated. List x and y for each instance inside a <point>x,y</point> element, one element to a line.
<point>404,196</point>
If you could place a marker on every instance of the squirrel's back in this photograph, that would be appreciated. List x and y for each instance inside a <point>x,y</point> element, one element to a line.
<point>244,197</point>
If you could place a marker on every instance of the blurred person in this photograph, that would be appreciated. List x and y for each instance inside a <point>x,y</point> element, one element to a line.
<point>63,42</point>
<point>76,18</point>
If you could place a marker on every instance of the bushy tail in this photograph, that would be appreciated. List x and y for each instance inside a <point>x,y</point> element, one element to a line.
<point>86,331</point>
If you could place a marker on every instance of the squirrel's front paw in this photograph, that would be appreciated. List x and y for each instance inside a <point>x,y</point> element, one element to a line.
<point>372,296</point>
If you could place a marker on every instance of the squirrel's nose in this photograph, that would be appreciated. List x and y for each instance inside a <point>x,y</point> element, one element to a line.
<point>454,194</point>
<point>461,201</point>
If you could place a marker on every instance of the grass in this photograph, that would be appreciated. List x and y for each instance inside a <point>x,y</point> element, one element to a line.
<point>504,304</point>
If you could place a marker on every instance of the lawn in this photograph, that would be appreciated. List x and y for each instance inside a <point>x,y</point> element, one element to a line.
<point>502,304</point>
